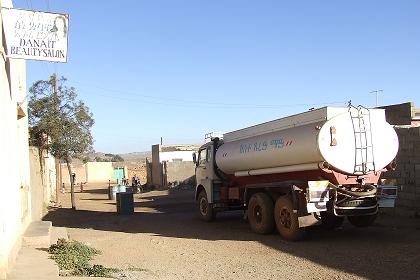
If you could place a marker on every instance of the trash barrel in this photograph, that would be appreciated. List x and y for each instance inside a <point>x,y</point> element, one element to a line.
<point>125,203</point>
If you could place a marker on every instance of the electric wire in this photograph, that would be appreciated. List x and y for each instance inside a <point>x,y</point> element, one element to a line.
<point>134,97</point>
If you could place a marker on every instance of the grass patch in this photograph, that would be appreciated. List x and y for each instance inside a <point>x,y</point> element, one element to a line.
<point>74,257</point>
<point>133,268</point>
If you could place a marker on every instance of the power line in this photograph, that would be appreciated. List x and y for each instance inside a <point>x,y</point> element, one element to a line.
<point>189,103</point>
<point>219,106</point>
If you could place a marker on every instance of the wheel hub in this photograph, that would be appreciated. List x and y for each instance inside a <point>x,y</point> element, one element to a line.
<point>285,218</point>
<point>257,214</point>
<point>203,206</point>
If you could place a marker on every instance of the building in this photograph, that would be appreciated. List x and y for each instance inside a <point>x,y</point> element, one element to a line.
<point>15,200</point>
<point>171,163</point>
<point>28,175</point>
<point>103,172</point>
<point>171,153</point>
<point>402,114</point>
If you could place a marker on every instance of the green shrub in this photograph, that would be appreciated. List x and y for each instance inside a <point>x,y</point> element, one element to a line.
<point>75,256</point>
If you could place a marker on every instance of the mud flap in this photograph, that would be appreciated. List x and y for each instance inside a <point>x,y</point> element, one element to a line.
<point>317,196</point>
<point>309,220</point>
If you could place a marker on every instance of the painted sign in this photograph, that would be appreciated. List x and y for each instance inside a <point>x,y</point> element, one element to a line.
<point>277,143</point>
<point>36,35</point>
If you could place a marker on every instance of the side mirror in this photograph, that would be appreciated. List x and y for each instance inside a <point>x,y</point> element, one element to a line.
<point>194,155</point>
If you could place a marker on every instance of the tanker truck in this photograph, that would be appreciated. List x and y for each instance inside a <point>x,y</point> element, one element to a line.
<point>316,167</point>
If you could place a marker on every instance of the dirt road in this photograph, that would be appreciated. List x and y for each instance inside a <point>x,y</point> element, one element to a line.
<point>165,239</point>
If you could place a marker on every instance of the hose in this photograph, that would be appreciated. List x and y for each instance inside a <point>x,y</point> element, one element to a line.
<point>371,191</point>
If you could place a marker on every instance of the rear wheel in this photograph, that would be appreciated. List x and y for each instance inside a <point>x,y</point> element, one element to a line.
<point>362,221</point>
<point>331,221</point>
<point>287,220</point>
<point>260,213</point>
<point>205,209</point>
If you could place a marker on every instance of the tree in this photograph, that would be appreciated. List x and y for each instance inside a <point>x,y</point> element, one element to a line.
<point>117,158</point>
<point>60,122</point>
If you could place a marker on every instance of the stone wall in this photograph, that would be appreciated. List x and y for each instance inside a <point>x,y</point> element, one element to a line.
<point>407,173</point>
<point>400,114</point>
<point>179,171</point>
<point>138,169</point>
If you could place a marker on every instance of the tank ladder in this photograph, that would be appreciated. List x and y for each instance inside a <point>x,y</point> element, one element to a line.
<point>364,161</point>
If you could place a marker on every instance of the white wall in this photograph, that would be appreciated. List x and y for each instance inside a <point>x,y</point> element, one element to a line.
<point>14,150</point>
<point>169,156</point>
<point>43,178</point>
<point>99,172</point>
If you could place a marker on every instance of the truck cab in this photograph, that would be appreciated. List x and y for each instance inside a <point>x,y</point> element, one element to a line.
<point>204,170</point>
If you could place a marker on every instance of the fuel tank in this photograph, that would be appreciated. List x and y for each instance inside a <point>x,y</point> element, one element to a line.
<point>351,140</point>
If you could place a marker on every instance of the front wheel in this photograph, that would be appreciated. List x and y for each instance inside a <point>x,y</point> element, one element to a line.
<point>205,209</point>
<point>362,221</point>
<point>287,220</point>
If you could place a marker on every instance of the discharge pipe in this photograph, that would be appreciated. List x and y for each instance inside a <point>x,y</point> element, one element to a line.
<point>371,190</point>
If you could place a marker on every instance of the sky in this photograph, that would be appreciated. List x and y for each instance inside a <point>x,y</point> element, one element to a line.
<point>178,69</point>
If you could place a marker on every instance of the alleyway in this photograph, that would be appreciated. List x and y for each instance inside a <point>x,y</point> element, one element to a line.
<point>164,239</point>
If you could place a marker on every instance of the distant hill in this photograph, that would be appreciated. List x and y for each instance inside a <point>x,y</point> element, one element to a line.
<point>129,157</point>
<point>137,156</point>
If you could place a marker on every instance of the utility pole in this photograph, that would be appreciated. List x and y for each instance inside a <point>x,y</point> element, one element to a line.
<point>376,92</point>
<point>57,161</point>
<point>54,90</point>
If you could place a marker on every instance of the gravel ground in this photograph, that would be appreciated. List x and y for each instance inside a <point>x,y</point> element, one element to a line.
<point>165,239</point>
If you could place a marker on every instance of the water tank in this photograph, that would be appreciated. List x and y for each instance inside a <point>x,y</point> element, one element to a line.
<point>350,140</point>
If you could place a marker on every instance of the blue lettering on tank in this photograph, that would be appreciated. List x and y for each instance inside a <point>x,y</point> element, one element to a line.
<point>264,146</point>
<point>256,147</point>
<point>277,143</point>
<point>245,148</point>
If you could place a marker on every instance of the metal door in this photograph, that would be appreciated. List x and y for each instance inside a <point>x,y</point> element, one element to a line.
<point>119,174</point>
<point>204,170</point>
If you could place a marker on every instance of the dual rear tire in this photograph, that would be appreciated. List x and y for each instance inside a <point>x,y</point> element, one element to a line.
<point>263,216</point>
<point>261,213</point>
<point>287,219</point>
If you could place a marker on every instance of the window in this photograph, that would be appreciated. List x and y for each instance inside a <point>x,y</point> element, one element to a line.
<point>202,157</point>
<point>209,154</point>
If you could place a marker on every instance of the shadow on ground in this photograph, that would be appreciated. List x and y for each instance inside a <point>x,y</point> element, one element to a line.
<point>387,250</point>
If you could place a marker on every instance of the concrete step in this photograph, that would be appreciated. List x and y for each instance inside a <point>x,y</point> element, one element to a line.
<point>58,233</point>
<point>33,263</point>
<point>38,234</point>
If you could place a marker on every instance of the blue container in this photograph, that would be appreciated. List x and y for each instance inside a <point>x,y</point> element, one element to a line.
<point>121,189</point>
<point>125,203</point>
